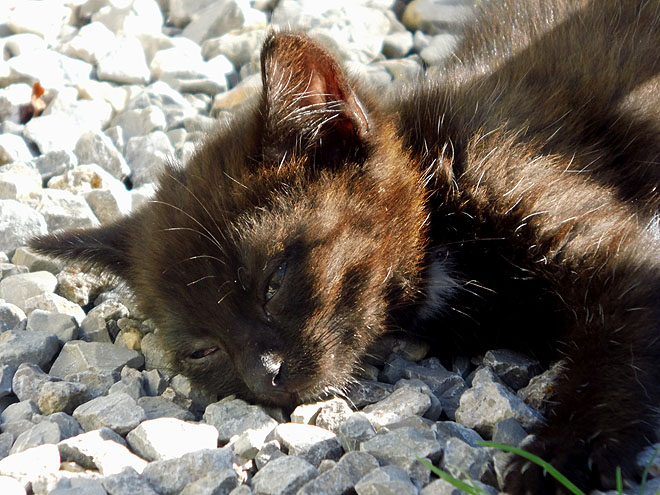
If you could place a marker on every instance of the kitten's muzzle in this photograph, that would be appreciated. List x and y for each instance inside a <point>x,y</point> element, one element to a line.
<point>267,377</point>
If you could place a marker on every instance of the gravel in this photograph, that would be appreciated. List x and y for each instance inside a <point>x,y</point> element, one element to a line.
<point>87,404</point>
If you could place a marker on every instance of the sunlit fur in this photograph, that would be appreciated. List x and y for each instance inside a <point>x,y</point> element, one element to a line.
<point>507,199</point>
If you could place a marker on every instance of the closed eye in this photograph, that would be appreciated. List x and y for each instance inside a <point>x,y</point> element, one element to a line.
<point>202,353</point>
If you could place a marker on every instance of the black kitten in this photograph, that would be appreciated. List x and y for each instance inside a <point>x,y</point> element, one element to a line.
<point>505,201</point>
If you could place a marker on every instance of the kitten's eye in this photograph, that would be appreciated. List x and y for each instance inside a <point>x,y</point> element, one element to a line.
<point>202,353</point>
<point>275,281</point>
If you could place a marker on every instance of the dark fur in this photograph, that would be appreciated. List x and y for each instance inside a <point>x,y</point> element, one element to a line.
<point>529,166</point>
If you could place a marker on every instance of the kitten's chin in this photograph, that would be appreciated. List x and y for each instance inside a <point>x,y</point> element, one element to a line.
<point>285,400</point>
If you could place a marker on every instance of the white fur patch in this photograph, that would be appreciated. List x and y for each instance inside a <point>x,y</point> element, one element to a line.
<point>440,286</point>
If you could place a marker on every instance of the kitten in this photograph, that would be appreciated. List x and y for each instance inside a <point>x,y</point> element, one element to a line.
<point>505,201</point>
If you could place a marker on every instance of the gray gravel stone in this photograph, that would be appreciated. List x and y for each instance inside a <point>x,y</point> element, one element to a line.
<point>18,288</point>
<point>218,483</point>
<point>97,381</point>
<point>76,286</point>
<point>146,156</point>
<point>27,382</point>
<point>140,121</point>
<point>222,17</point>
<point>23,410</point>
<point>270,450</point>
<point>54,132</point>
<point>55,162</point>
<point>16,428</point>
<point>386,480</point>
<point>77,356</point>
<point>6,376</point>
<point>401,403</point>
<point>154,383</point>
<point>12,98</point>
<point>355,430</point>
<point>169,438</point>
<point>513,368</point>
<point>442,487</point>
<point>17,347</point>
<point>10,316</point>
<point>508,432</point>
<point>108,204</point>
<point>48,24</point>
<point>96,147</point>
<point>397,45</point>
<point>439,49</point>
<point>332,414</point>
<point>18,223</point>
<point>171,476</point>
<point>238,47</point>
<point>468,463</point>
<point>6,441</point>
<point>155,356</point>
<point>51,69</point>
<point>486,404</point>
<point>68,426</point>
<point>56,396</point>
<point>119,412</point>
<point>402,447</point>
<point>233,417</point>
<point>11,486</point>
<point>9,269</point>
<point>368,392</point>
<point>94,329</point>
<point>649,459</point>
<point>308,442</point>
<point>39,434</point>
<point>160,407</point>
<point>130,383</point>
<point>18,179</point>
<point>63,326</point>
<point>26,466</point>
<point>54,304</point>
<point>127,482</point>
<point>124,64</point>
<point>343,476</point>
<point>13,149</point>
<point>101,449</point>
<point>448,429</point>
<point>63,209</point>
<point>433,16</point>
<point>283,476</point>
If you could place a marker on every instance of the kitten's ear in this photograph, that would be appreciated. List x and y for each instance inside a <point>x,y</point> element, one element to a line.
<point>103,249</point>
<point>308,103</point>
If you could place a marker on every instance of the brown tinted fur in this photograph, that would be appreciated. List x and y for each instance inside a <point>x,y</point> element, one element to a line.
<point>529,165</point>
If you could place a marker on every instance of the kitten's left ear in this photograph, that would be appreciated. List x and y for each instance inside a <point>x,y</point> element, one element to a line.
<point>308,103</point>
<point>103,249</point>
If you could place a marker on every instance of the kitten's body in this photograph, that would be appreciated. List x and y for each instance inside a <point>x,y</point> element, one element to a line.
<point>505,202</point>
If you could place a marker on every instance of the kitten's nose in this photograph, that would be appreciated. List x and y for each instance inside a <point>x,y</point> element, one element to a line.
<point>274,368</point>
<point>267,376</point>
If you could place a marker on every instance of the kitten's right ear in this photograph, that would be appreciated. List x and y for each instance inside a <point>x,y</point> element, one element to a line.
<point>101,248</point>
<point>308,103</point>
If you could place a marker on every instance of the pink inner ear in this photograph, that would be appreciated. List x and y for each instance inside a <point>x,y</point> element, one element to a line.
<point>309,67</point>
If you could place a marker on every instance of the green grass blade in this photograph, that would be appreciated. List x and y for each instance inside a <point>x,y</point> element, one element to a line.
<point>461,485</point>
<point>540,462</point>
<point>619,481</point>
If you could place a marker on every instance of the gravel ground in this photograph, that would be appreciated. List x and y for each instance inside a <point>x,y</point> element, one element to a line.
<point>94,95</point>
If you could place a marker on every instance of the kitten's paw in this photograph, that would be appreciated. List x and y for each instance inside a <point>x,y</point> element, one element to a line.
<point>524,477</point>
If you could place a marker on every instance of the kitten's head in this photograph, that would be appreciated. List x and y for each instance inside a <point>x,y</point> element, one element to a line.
<point>275,258</point>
